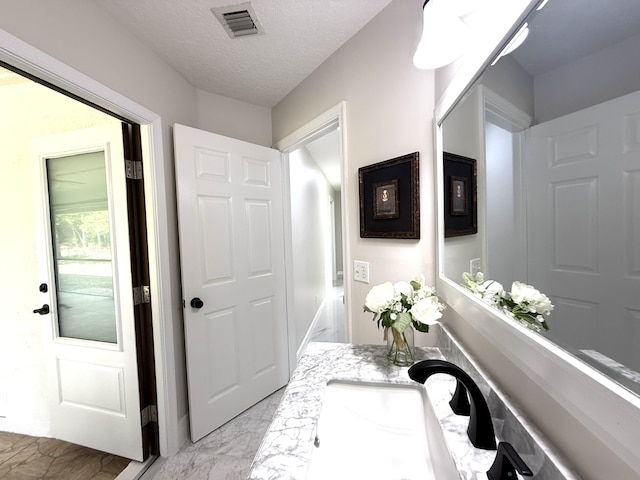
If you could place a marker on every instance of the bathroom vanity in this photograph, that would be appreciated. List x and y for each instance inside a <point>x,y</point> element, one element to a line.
<point>287,450</point>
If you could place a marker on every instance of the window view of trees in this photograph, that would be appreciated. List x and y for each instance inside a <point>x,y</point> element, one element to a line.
<point>82,234</point>
<point>83,252</point>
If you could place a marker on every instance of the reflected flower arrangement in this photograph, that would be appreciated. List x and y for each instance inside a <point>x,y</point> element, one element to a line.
<point>524,303</point>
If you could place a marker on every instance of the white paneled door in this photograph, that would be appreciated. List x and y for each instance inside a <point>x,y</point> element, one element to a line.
<point>86,291</point>
<point>232,260</point>
<point>583,203</point>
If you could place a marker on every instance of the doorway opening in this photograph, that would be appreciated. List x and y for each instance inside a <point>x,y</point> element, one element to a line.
<point>33,109</point>
<point>316,218</point>
<point>318,285</point>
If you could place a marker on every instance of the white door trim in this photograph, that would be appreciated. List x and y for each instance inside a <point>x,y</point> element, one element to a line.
<point>33,61</point>
<point>497,110</point>
<point>336,116</point>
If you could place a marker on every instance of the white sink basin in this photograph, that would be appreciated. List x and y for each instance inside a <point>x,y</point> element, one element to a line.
<point>379,431</point>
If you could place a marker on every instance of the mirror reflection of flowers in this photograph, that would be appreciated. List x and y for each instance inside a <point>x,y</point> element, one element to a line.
<point>399,305</point>
<point>524,303</point>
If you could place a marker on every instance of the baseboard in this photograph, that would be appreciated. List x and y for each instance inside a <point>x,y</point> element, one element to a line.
<point>305,340</point>
<point>183,431</point>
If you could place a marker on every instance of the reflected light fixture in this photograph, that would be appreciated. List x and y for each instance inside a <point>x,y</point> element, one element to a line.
<point>517,40</point>
<point>444,35</point>
<point>541,6</point>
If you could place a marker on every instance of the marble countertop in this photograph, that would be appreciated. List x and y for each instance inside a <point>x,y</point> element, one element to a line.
<point>287,446</point>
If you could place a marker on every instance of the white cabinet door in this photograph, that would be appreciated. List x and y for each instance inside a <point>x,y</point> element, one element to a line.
<point>232,260</point>
<point>84,266</point>
<point>583,191</point>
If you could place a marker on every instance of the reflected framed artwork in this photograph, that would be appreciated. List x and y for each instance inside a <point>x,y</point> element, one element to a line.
<point>390,198</point>
<point>460,192</point>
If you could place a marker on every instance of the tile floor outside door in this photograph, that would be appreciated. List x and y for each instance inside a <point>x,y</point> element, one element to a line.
<point>31,458</point>
<point>227,453</point>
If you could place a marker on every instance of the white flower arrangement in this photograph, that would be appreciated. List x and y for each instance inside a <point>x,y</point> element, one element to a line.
<point>524,303</point>
<point>398,305</point>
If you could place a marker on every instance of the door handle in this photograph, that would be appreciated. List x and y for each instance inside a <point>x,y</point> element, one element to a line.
<point>196,303</point>
<point>43,310</point>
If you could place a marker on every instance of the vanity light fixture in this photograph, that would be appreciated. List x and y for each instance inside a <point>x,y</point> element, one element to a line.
<point>444,35</point>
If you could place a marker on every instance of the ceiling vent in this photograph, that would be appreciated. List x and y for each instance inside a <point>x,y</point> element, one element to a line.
<point>238,20</point>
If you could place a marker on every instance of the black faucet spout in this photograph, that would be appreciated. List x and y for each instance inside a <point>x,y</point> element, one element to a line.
<point>480,429</point>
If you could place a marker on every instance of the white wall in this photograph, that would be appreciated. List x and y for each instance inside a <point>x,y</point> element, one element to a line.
<point>463,136</point>
<point>311,234</point>
<point>389,110</point>
<point>501,235</point>
<point>84,37</point>
<point>513,82</point>
<point>27,110</point>
<point>230,117</point>
<point>337,206</point>
<point>596,78</point>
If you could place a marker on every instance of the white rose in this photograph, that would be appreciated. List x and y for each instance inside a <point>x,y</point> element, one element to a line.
<point>541,305</point>
<point>427,310</point>
<point>521,292</point>
<point>380,297</point>
<point>537,302</point>
<point>403,288</point>
<point>491,288</point>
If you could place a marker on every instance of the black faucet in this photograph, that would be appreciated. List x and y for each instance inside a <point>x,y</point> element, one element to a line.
<point>506,463</point>
<point>480,430</point>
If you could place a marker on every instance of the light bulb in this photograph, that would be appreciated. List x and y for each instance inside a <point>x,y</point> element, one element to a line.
<point>444,36</point>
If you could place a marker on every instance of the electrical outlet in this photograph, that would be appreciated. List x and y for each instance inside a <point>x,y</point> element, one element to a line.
<point>474,266</point>
<point>361,271</point>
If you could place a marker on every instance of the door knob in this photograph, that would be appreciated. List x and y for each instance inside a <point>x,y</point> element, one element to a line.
<point>42,311</point>
<point>196,303</point>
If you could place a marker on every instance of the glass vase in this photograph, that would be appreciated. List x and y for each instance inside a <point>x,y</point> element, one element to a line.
<point>400,347</point>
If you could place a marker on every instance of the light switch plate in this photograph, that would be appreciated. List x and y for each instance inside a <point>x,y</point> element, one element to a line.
<point>474,266</point>
<point>361,271</point>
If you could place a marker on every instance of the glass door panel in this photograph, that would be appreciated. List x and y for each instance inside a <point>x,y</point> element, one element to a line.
<point>81,237</point>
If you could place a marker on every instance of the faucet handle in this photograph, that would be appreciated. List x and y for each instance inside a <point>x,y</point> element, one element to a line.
<point>506,463</point>
<point>459,403</point>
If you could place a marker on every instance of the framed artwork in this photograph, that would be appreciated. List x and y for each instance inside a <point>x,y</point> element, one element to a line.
<point>460,197</point>
<point>390,198</point>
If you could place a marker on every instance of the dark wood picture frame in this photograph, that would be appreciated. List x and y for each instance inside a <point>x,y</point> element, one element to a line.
<point>460,195</point>
<point>390,198</point>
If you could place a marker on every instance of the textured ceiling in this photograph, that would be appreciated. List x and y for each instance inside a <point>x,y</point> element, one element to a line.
<point>261,70</point>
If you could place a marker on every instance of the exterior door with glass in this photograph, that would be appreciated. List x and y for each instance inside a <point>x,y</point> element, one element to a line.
<point>86,290</point>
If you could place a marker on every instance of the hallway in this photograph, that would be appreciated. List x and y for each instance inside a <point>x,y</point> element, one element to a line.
<point>331,324</point>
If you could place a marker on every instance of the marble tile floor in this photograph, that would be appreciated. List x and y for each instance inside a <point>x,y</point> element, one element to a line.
<point>224,454</point>
<point>227,453</point>
<point>31,458</point>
